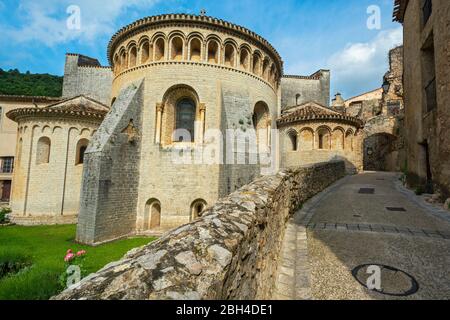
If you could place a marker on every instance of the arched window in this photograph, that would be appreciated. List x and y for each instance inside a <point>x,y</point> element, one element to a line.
<point>196,50</point>
<point>145,55</point>
<point>261,123</point>
<point>265,72</point>
<point>324,138</point>
<point>123,61</point>
<point>230,55</point>
<point>81,149</point>
<point>152,214</point>
<point>306,142</point>
<point>245,59</point>
<point>176,49</point>
<point>197,209</point>
<point>185,121</point>
<point>213,52</point>
<point>293,140</point>
<point>133,56</point>
<point>43,150</point>
<point>337,139</point>
<point>256,64</point>
<point>159,49</point>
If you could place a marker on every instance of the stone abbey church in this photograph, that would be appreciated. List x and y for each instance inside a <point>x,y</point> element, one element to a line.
<point>102,155</point>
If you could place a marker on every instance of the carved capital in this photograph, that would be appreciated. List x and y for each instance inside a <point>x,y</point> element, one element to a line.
<point>202,107</point>
<point>160,107</point>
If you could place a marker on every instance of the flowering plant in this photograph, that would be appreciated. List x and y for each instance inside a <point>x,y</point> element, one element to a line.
<point>74,270</point>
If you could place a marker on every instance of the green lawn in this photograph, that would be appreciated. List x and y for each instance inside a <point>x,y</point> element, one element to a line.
<point>46,247</point>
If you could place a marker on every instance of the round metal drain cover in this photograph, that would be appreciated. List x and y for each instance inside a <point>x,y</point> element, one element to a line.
<point>393,282</point>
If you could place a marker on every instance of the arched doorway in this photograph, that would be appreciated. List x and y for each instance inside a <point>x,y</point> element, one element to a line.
<point>152,215</point>
<point>197,208</point>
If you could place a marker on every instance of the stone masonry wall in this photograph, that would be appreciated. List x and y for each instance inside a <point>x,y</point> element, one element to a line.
<point>82,77</point>
<point>231,253</point>
<point>317,90</point>
<point>111,172</point>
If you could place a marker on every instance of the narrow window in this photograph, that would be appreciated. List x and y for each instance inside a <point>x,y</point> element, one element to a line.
<point>81,150</point>
<point>177,49</point>
<point>196,50</point>
<point>159,49</point>
<point>229,55</point>
<point>293,138</point>
<point>185,120</point>
<point>213,52</point>
<point>133,55</point>
<point>145,52</point>
<point>43,151</point>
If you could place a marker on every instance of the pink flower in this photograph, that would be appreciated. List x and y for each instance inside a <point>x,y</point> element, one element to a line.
<point>69,251</point>
<point>69,257</point>
<point>81,253</point>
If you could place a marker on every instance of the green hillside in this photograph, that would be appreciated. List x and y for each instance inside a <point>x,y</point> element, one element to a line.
<point>13,82</point>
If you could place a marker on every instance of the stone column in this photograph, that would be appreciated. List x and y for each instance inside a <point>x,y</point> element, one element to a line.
<point>269,133</point>
<point>159,111</point>
<point>201,134</point>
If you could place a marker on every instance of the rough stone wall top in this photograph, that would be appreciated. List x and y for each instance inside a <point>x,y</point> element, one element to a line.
<point>230,253</point>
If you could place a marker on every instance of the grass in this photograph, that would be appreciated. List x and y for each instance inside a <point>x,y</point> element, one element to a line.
<point>46,247</point>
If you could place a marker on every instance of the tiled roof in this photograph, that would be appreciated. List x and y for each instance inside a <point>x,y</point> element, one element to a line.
<point>314,111</point>
<point>399,9</point>
<point>79,107</point>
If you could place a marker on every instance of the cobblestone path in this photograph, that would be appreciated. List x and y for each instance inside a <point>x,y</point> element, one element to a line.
<point>367,219</point>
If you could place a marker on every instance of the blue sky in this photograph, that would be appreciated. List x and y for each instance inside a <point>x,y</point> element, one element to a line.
<point>309,34</point>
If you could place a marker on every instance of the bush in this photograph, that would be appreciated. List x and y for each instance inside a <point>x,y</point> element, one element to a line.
<point>11,263</point>
<point>3,215</point>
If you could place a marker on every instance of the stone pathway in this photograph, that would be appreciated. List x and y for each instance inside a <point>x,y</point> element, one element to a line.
<point>364,219</point>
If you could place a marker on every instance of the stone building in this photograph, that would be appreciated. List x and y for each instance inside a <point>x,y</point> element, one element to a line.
<point>382,113</point>
<point>51,142</point>
<point>8,134</point>
<point>427,92</point>
<point>312,133</point>
<point>191,101</point>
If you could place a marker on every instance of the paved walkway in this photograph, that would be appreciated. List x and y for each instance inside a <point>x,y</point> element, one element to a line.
<point>367,219</point>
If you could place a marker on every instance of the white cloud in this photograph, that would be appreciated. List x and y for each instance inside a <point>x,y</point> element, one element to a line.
<point>45,21</point>
<point>362,65</point>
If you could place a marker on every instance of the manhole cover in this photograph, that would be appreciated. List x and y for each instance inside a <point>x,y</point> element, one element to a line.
<point>392,281</point>
<point>366,191</point>
<point>396,209</point>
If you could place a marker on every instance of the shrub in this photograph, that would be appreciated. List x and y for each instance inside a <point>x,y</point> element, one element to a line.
<point>3,214</point>
<point>11,263</point>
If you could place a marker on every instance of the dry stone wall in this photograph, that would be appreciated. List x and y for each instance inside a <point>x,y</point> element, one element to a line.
<point>230,253</point>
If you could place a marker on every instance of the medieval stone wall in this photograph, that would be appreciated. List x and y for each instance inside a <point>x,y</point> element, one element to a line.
<point>232,252</point>
<point>85,76</point>
<point>296,90</point>
<point>111,172</point>
<point>427,127</point>
<point>48,192</point>
<point>341,142</point>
